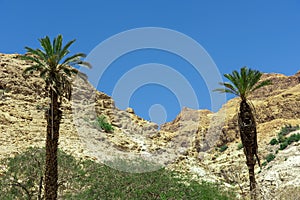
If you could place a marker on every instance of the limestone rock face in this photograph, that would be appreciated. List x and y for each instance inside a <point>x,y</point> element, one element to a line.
<point>188,144</point>
<point>281,179</point>
<point>275,106</point>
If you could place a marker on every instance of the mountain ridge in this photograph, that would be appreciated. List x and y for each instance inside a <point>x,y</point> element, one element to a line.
<point>188,144</point>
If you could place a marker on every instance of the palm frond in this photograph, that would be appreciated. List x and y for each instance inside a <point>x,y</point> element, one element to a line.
<point>262,84</point>
<point>43,73</point>
<point>243,80</point>
<point>67,72</point>
<point>232,79</point>
<point>57,43</point>
<point>65,50</point>
<point>34,60</point>
<point>85,64</point>
<point>37,52</point>
<point>46,44</point>
<point>229,86</point>
<point>254,77</point>
<point>75,59</point>
<point>224,90</point>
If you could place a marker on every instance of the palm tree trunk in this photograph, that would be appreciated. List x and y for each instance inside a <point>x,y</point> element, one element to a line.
<point>248,135</point>
<point>54,115</point>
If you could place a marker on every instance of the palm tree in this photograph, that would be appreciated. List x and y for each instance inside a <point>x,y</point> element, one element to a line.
<point>243,84</point>
<point>57,72</point>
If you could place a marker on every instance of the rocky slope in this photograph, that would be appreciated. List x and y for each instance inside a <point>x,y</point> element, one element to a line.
<point>275,106</point>
<point>189,143</point>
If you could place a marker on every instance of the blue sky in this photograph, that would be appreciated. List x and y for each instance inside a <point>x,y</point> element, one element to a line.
<point>263,35</point>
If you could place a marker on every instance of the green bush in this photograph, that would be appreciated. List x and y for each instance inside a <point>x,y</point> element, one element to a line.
<point>287,129</point>
<point>240,146</point>
<point>287,141</point>
<point>283,145</point>
<point>273,141</point>
<point>270,157</point>
<point>264,163</point>
<point>281,138</point>
<point>290,140</point>
<point>102,123</point>
<point>223,148</point>
<point>293,138</point>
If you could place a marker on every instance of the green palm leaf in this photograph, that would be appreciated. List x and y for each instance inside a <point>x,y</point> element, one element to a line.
<point>65,50</point>
<point>57,43</point>
<point>262,84</point>
<point>34,60</point>
<point>73,59</point>
<point>46,44</point>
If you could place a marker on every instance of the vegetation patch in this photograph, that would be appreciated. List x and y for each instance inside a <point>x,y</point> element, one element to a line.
<point>264,163</point>
<point>293,138</point>
<point>85,179</point>
<point>240,146</point>
<point>283,145</point>
<point>101,122</point>
<point>223,148</point>
<point>273,141</point>
<point>284,141</point>
<point>287,129</point>
<point>270,157</point>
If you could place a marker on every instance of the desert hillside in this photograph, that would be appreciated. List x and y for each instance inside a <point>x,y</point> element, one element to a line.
<point>195,142</point>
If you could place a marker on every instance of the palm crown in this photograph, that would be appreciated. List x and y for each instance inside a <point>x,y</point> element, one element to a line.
<point>52,65</point>
<point>243,83</point>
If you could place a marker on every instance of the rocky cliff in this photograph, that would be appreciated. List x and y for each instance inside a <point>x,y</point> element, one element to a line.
<point>190,144</point>
<point>276,105</point>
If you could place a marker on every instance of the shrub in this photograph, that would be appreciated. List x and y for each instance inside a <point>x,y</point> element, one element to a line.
<point>287,141</point>
<point>223,148</point>
<point>102,123</point>
<point>293,138</point>
<point>287,129</point>
<point>290,140</point>
<point>264,163</point>
<point>240,146</point>
<point>283,145</point>
<point>273,141</point>
<point>281,138</point>
<point>270,157</point>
